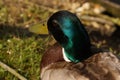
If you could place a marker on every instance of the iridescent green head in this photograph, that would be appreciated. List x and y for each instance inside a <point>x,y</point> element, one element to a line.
<point>71,34</point>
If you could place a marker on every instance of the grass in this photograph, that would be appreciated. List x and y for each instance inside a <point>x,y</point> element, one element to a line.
<point>19,48</point>
<point>21,52</point>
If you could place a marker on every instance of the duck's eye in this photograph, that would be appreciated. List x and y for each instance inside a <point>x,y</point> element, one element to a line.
<point>56,26</point>
<point>54,23</point>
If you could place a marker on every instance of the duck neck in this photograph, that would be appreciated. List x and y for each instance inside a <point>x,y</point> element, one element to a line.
<point>76,50</point>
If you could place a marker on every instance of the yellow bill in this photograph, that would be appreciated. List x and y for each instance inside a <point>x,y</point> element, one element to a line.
<point>39,29</point>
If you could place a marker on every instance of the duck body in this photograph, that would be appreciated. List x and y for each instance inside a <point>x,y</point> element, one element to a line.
<point>72,57</point>
<point>101,66</point>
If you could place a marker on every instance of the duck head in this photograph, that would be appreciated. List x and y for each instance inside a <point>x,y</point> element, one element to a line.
<point>71,35</point>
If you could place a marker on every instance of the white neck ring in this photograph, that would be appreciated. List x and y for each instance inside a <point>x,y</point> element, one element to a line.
<point>64,56</point>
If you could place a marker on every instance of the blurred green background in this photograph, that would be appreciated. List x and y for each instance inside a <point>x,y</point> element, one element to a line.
<point>24,36</point>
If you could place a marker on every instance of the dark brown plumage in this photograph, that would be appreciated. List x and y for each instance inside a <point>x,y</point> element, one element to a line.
<point>52,55</point>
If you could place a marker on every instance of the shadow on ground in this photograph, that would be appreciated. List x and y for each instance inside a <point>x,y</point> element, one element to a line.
<point>112,41</point>
<point>7,31</point>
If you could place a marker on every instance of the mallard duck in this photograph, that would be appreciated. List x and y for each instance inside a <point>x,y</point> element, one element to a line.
<point>72,57</point>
